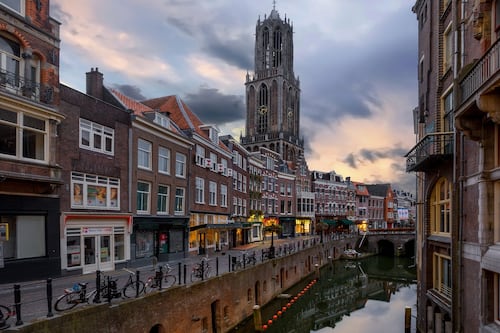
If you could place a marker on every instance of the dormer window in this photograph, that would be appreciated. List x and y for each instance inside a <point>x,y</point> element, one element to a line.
<point>213,133</point>
<point>162,120</point>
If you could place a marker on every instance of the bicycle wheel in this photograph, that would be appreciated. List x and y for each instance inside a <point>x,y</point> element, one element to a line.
<point>130,289</point>
<point>208,272</point>
<point>67,301</point>
<point>5,311</point>
<point>169,280</point>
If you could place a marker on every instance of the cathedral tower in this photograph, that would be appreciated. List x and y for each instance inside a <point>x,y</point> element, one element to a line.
<point>273,93</point>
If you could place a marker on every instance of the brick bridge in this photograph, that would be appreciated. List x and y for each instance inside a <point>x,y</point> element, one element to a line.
<point>390,242</point>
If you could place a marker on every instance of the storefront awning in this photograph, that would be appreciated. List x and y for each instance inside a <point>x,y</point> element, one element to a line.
<point>216,226</point>
<point>330,222</point>
<point>346,222</point>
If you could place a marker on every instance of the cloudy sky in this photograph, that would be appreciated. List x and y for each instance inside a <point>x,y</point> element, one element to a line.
<point>356,61</point>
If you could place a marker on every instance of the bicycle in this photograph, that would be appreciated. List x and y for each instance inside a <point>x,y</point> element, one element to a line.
<point>5,314</point>
<point>73,296</point>
<point>168,279</point>
<point>133,287</point>
<point>201,270</point>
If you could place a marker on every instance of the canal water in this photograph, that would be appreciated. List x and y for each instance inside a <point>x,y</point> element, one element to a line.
<point>367,295</point>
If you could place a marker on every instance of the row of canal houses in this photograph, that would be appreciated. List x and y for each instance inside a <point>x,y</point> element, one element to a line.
<point>96,180</point>
<point>135,180</point>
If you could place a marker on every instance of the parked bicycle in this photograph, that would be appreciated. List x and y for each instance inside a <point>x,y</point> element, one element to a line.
<point>5,314</point>
<point>250,258</point>
<point>161,279</point>
<point>133,287</point>
<point>73,296</point>
<point>201,270</point>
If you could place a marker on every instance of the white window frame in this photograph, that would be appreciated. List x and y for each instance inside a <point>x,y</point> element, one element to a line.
<point>164,160</point>
<point>212,193</point>
<point>200,156</point>
<point>180,165</point>
<point>213,158</point>
<point>163,200</point>
<point>200,190</point>
<point>223,195</point>
<point>144,154</point>
<point>145,195</point>
<point>180,193</point>
<point>87,188</point>
<point>98,137</point>
<point>16,120</point>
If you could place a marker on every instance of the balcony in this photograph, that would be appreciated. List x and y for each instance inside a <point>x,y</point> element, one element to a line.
<point>479,93</point>
<point>428,152</point>
<point>18,85</point>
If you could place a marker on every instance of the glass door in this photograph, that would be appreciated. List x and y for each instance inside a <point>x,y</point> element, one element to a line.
<point>98,256</point>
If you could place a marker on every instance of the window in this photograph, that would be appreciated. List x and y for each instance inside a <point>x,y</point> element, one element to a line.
<point>441,208</point>
<point>96,137</point>
<point>23,136</point>
<point>179,201</point>
<point>26,236</point>
<point>143,195</point>
<point>223,195</point>
<point>144,154</point>
<point>212,188</point>
<point>447,48</point>
<point>180,165</point>
<point>442,275</point>
<point>15,5</point>
<point>92,191</point>
<point>200,155</point>
<point>200,190</point>
<point>448,111</point>
<point>213,159</point>
<point>164,160</point>
<point>163,199</point>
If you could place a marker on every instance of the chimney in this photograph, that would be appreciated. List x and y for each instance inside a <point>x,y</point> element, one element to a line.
<point>95,84</point>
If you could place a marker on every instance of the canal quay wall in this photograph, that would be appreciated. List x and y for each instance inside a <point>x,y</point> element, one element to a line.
<point>215,305</point>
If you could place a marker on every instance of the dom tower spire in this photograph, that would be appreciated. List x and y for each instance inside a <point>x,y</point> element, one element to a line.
<point>273,93</point>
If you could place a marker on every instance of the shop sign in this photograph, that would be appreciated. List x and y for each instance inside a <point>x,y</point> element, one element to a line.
<point>97,230</point>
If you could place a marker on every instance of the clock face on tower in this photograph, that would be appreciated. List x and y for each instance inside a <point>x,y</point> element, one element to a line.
<point>263,109</point>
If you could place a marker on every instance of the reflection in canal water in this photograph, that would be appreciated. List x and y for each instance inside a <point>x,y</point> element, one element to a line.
<point>369,295</point>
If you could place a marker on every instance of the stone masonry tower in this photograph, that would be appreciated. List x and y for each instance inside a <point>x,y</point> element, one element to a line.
<point>273,93</point>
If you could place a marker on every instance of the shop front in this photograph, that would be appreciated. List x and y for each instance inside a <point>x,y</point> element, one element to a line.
<point>288,226</point>
<point>95,242</point>
<point>161,238</point>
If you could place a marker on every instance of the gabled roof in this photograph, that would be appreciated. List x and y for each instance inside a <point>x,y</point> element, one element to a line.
<point>130,103</point>
<point>181,114</point>
<point>379,190</point>
<point>140,109</point>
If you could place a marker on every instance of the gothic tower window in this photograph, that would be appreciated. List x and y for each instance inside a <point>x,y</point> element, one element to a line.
<point>262,110</point>
<point>277,48</point>
<point>265,48</point>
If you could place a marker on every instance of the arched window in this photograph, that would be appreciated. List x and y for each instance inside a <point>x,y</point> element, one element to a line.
<point>262,109</point>
<point>10,57</point>
<point>277,47</point>
<point>440,207</point>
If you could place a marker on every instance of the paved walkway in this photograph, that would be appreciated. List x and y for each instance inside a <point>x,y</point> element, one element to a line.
<point>34,302</point>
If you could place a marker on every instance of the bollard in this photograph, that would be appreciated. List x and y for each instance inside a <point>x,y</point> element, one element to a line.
<point>316,267</point>
<point>180,265</point>
<point>185,273</point>
<point>97,298</point>
<point>49,298</point>
<point>257,318</point>
<point>216,266</point>
<point>407,319</point>
<point>230,265</point>
<point>108,289</point>
<point>137,283</point>
<point>159,276</point>
<point>17,302</point>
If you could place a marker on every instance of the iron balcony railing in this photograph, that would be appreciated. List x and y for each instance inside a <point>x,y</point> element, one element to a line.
<point>16,84</point>
<point>432,148</point>
<point>482,71</point>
